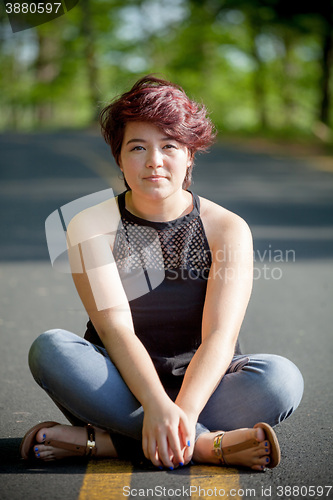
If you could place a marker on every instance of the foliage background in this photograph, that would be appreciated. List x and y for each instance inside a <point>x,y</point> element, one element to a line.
<point>260,66</point>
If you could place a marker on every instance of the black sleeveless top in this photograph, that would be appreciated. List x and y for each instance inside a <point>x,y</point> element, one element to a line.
<point>164,268</point>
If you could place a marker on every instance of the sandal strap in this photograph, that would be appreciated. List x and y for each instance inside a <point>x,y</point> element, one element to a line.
<point>75,448</point>
<point>221,451</point>
<point>218,450</point>
<point>244,445</point>
<point>91,443</point>
<point>83,450</point>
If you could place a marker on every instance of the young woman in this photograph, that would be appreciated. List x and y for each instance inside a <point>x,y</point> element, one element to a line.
<point>165,277</point>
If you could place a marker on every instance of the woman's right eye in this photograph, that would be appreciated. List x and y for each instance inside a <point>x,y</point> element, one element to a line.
<point>138,148</point>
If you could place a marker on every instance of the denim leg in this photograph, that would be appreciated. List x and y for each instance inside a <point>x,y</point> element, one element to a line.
<point>87,387</point>
<point>267,389</point>
<point>84,383</point>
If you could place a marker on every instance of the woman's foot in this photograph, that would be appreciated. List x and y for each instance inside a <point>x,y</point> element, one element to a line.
<point>256,458</point>
<point>73,435</point>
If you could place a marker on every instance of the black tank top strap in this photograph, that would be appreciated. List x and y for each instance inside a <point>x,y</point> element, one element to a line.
<point>196,201</point>
<point>121,202</point>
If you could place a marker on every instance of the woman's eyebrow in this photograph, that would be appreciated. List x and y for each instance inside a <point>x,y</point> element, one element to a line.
<point>135,140</point>
<point>144,141</point>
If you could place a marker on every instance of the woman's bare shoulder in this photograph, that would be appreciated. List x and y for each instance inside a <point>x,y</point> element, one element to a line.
<point>219,222</point>
<point>96,220</point>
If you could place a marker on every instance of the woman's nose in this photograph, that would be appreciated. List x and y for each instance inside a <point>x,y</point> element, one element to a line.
<point>154,159</point>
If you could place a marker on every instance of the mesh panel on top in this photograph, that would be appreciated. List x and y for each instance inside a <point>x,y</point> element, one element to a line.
<point>182,245</point>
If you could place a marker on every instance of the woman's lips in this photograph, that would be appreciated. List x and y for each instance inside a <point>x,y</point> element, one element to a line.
<point>154,178</point>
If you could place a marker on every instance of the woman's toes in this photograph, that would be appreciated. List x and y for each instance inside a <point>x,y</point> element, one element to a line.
<point>258,467</point>
<point>261,463</point>
<point>41,435</point>
<point>264,448</point>
<point>41,452</point>
<point>260,434</point>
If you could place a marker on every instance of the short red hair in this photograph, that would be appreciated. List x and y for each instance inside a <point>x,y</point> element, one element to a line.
<point>165,105</point>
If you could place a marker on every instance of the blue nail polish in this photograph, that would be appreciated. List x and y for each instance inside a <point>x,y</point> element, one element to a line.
<point>188,443</point>
<point>267,460</point>
<point>160,467</point>
<point>266,450</point>
<point>36,449</point>
<point>38,455</point>
<point>170,468</point>
<point>266,443</point>
<point>44,436</point>
<point>181,464</point>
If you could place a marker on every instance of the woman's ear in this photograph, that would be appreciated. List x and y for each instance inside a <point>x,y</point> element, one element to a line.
<point>190,158</point>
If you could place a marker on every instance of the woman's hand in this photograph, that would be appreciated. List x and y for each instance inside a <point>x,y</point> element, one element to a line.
<point>166,433</point>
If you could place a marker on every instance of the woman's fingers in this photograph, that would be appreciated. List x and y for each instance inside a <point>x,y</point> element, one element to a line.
<point>184,432</point>
<point>157,450</point>
<point>176,447</point>
<point>149,447</point>
<point>165,435</point>
<point>165,451</point>
<point>145,446</point>
<point>187,440</point>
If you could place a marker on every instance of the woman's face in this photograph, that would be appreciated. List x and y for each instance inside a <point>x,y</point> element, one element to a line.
<point>152,163</point>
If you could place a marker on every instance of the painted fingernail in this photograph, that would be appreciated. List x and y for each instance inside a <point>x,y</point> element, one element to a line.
<point>160,467</point>
<point>266,443</point>
<point>36,449</point>
<point>170,468</point>
<point>38,455</point>
<point>188,443</point>
<point>267,460</point>
<point>266,450</point>
<point>44,436</point>
<point>181,464</point>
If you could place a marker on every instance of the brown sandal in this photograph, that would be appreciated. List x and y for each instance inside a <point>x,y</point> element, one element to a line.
<point>221,451</point>
<point>29,441</point>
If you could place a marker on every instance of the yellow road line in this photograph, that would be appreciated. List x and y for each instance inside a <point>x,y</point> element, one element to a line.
<point>214,482</point>
<point>105,479</point>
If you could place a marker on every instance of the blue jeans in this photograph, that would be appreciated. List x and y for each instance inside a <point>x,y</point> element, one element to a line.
<point>87,387</point>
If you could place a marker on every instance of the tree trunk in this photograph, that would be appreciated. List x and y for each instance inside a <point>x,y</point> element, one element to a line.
<point>90,57</point>
<point>46,70</point>
<point>259,88</point>
<point>286,82</point>
<point>326,65</point>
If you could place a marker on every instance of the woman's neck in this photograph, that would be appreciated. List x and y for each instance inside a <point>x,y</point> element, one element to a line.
<point>159,210</point>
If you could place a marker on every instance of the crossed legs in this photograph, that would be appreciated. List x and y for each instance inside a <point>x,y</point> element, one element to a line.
<point>87,387</point>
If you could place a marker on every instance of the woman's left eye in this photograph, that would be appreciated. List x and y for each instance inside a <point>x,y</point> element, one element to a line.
<point>169,146</point>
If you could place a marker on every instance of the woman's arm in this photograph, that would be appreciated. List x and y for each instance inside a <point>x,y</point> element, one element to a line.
<point>97,281</point>
<point>228,291</point>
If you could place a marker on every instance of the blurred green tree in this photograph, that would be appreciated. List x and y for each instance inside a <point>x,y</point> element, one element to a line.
<point>257,64</point>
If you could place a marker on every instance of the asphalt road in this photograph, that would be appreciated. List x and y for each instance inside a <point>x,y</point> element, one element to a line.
<point>289,206</point>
